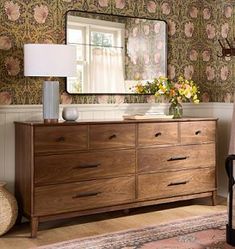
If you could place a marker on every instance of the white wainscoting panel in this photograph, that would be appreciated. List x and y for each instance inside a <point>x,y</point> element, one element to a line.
<point>11,113</point>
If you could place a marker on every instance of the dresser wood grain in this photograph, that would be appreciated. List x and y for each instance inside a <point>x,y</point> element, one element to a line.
<point>111,136</point>
<point>84,195</point>
<point>61,168</point>
<point>75,168</point>
<point>176,157</point>
<point>160,185</point>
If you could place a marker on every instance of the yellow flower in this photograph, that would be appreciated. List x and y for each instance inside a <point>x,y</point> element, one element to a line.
<point>181,78</point>
<point>180,91</point>
<point>187,93</point>
<point>162,78</point>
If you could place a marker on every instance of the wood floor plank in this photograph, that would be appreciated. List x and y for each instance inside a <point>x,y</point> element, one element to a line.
<point>57,231</point>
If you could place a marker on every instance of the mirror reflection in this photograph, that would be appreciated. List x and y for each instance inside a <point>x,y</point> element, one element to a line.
<point>114,53</point>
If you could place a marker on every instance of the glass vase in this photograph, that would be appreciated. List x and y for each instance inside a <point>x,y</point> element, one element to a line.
<point>176,110</point>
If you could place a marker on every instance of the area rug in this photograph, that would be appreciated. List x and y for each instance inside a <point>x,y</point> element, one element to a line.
<point>194,233</point>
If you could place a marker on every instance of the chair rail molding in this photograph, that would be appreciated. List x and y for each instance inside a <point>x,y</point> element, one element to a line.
<point>11,113</point>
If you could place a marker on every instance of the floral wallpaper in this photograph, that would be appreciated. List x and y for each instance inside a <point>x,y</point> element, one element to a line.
<point>194,27</point>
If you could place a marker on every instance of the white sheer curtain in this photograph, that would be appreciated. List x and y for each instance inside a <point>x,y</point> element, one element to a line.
<point>106,71</point>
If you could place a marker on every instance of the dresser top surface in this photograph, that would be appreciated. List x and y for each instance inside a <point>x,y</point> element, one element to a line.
<point>116,121</point>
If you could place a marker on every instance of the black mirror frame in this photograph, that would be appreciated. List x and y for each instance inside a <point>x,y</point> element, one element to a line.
<point>106,14</point>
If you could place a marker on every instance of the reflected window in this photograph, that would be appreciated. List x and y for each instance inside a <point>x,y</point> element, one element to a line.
<point>100,55</point>
<point>102,39</point>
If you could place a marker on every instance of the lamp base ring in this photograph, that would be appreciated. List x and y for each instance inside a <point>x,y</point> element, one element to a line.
<point>50,121</point>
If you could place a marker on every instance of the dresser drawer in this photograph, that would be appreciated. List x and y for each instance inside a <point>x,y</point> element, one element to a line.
<point>83,195</point>
<point>176,157</point>
<point>83,166</point>
<point>60,138</point>
<point>197,132</point>
<point>170,184</point>
<point>112,136</point>
<point>158,133</point>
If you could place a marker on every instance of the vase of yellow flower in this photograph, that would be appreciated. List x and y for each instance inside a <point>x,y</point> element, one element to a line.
<point>176,92</point>
<point>182,91</point>
<point>176,110</point>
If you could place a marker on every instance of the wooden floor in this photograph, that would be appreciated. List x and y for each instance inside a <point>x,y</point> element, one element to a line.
<point>51,232</point>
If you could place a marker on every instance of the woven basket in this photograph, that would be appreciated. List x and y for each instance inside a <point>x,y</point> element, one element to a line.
<point>8,209</point>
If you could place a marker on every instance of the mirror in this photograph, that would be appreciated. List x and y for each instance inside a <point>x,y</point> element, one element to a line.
<point>114,53</point>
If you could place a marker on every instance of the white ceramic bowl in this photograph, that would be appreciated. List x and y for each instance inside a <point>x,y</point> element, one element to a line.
<point>70,113</point>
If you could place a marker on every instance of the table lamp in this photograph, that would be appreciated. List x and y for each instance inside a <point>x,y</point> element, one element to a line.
<point>50,60</point>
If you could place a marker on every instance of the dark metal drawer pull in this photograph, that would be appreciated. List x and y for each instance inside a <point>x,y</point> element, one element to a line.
<point>177,183</point>
<point>60,139</point>
<point>177,158</point>
<point>87,194</point>
<point>198,132</point>
<point>113,136</point>
<point>158,134</point>
<point>87,166</point>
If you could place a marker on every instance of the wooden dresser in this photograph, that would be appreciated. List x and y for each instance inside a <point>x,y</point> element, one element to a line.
<point>70,169</point>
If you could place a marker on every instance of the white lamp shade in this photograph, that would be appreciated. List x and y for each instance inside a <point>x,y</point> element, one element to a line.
<point>49,60</point>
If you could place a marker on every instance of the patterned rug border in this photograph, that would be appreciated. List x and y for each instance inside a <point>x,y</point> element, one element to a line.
<point>116,240</point>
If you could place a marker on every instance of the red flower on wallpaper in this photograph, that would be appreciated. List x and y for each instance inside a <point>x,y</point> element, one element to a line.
<point>210,73</point>
<point>12,10</point>
<point>119,99</point>
<point>193,54</point>
<point>188,29</point>
<point>151,7</point>
<point>224,72</point>
<point>188,72</point>
<point>171,72</point>
<point>224,30</point>
<point>5,42</point>
<point>210,31</point>
<point>228,98</point>
<point>166,9</point>
<point>103,99</point>
<point>65,98</point>
<point>40,13</point>
<point>120,4</point>
<point>205,97</point>
<point>206,14</point>
<point>47,41</point>
<point>103,3</point>
<point>171,27</point>
<point>206,55</point>
<point>12,65</point>
<point>5,98</point>
<point>151,99</point>
<point>193,12</point>
<point>228,11</point>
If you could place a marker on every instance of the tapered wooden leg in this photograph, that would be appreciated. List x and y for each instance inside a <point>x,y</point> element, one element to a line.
<point>213,198</point>
<point>34,227</point>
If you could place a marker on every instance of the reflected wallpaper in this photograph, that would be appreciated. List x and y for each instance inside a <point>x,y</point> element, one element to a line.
<point>145,49</point>
<point>194,27</point>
